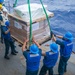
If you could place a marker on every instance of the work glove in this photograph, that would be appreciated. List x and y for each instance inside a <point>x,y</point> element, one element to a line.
<point>52,33</point>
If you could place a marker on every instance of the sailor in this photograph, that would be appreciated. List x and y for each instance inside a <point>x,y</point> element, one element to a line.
<point>8,40</point>
<point>66,46</point>
<point>5,34</point>
<point>33,57</point>
<point>50,59</point>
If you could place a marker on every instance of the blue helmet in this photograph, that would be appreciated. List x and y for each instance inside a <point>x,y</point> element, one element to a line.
<point>1,1</point>
<point>34,49</point>
<point>54,47</point>
<point>69,36</point>
<point>7,23</point>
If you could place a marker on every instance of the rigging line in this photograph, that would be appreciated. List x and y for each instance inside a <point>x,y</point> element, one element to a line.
<point>14,5</point>
<point>46,17</point>
<point>30,35</point>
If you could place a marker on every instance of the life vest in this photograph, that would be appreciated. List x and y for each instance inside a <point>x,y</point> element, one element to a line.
<point>50,59</point>
<point>67,50</point>
<point>33,61</point>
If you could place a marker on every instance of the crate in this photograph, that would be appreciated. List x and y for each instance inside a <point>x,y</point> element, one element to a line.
<point>20,28</point>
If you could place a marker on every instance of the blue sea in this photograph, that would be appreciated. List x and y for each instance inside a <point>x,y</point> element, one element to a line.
<point>64,14</point>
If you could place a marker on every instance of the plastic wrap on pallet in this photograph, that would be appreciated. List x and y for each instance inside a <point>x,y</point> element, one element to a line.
<point>36,11</point>
<point>20,22</point>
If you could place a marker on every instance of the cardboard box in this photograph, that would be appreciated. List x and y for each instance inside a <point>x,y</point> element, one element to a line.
<point>20,28</point>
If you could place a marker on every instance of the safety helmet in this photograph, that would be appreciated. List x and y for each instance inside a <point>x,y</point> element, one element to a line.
<point>54,47</point>
<point>1,1</point>
<point>34,49</point>
<point>7,23</point>
<point>0,6</point>
<point>69,36</point>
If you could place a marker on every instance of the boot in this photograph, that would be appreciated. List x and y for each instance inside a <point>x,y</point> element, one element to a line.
<point>6,57</point>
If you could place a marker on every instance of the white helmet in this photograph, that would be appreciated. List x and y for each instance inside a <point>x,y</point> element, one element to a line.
<point>4,9</point>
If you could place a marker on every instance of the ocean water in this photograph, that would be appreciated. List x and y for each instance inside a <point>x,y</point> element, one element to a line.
<point>64,14</point>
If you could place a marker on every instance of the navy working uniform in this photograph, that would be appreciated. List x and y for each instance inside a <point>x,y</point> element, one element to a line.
<point>8,41</point>
<point>32,61</point>
<point>50,60</point>
<point>66,47</point>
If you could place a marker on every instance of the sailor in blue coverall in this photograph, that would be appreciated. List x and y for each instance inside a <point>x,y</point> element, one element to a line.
<point>50,59</point>
<point>66,46</point>
<point>32,58</point>
<point>8,40</point>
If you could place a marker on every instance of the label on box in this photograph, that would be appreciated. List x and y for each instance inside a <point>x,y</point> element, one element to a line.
<point>17,25</point>
<point>35,26</point>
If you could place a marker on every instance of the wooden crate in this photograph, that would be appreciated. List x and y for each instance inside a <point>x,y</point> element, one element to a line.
<point>20,28</point>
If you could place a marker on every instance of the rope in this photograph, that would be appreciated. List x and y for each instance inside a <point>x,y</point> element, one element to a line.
<point>46,17</point>
<point>30,35</point>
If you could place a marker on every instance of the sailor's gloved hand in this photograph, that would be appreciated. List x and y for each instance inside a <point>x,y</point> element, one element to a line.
<point>53,33</point>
